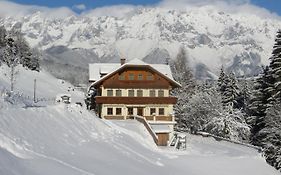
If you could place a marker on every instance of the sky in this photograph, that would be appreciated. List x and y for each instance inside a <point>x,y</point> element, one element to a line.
<point>82,5</point>
<point>120,8</point>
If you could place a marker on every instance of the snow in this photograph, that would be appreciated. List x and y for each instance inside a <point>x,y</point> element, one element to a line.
<point>67,139</point>
<point>140,32</point>
<point>161,128</point>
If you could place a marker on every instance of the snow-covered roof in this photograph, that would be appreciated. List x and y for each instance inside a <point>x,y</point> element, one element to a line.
<point>97,71</point>
<point>161,128</point>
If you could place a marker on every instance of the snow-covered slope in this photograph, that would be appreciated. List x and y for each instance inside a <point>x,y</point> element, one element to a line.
<point>69,140</point>
<point>62,139</point>
<point>212,37</point>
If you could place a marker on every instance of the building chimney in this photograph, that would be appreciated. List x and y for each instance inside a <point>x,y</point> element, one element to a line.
<point>123,61</point>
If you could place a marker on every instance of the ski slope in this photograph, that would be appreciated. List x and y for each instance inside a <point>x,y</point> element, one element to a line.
<point>60,139</point>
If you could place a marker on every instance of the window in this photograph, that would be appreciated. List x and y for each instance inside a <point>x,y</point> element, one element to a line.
<point>121,77</point>
<point>140,77</point>
<point>118,93</point>
<point>118,111</point>
<point>131,76</point>
<point>130,111</point>
<point>152,93</point>
<point>152,111</point>
<point>109,111</point>
<point>110,93</point>
<point>131,93</point>
<point>139,93</point>
<point>149,76</point>
<point>161,111</point>
<point>161,93</point>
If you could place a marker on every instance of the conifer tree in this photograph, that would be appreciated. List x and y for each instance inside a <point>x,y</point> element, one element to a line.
<point>275,69</point>
<point>231,91</point>
<point>259,103</point>
<point>221,80</point>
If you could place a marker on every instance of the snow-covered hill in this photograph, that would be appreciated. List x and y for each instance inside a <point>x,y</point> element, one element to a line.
<point>212,37</point>
<point>62,139</point>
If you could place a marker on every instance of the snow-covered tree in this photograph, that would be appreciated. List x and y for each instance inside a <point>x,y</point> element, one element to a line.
<point>14,50</point>
<point>183,74</point>
<point>271,136</point>
<point>222,80</point>
<point>206,112</point>
<point>230,94</point>
<point>227,86</point>
<point>259,103</point>
<point>243,99</point>
<point>275,67</point>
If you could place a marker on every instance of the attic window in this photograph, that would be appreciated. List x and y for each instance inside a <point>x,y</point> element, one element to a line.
<point>121,77</point>
<point>131,76</point>
<point>149,76</point>
<point>140,77</point>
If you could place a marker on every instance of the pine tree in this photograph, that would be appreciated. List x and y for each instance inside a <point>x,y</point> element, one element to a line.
<point>271,136</point>
<point>275,68</point>
<point>227,86</point>
<point>221,80</point>
<point>231,92</point>
<point>259,103</point>
<point>243,98</point>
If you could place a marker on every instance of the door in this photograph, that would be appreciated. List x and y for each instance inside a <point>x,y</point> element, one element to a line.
<point>163,139</point>
<point>140,111</point>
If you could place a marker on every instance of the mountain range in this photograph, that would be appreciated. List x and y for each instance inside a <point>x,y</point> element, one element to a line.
<point>212,38</point>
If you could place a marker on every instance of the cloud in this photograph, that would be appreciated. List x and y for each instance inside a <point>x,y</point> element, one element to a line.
<point>230,6</point>
<point>80,7</point>
<point>10,9</point>
<point>116,11</point>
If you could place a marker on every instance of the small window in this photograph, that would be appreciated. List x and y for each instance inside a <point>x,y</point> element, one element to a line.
<point>109,111</point>
<point>152,93</point>
<point>110,93</point>
<point>118,111</point>
<point>161,111</point>
<point>131,76</point>
<point>118,93</point>
<point>131,93</point>
<point>161,93</point>
<point>139,93</point>
<point>140,77</point>
<point>121,77</point>
<point>130,111</point>
<point>149,76</point>
<point>152,111</point>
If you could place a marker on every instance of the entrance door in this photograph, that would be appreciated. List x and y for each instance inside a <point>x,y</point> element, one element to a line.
<point>140,111</point>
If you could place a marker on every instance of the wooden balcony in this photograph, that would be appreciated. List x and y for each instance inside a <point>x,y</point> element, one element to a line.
<point>135,100</point>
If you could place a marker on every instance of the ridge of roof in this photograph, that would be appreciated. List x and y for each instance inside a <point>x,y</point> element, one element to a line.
<point>111,68</point>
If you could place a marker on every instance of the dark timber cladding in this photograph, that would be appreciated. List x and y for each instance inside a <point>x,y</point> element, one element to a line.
<point>136,100</point>
<point>140,77</point>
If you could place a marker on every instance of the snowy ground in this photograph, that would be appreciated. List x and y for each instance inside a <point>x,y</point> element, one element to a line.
<point>62,139</point>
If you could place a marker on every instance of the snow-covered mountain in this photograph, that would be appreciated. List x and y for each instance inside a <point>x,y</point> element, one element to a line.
<point>239,41</point>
